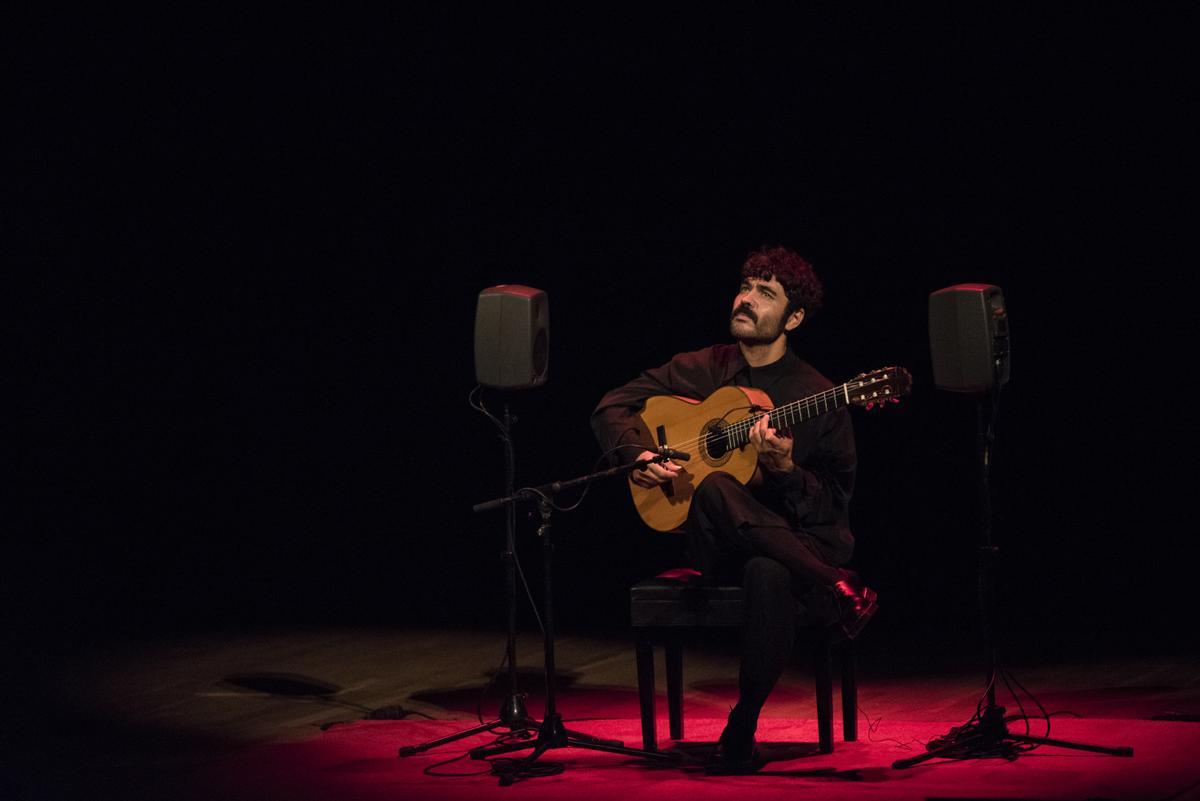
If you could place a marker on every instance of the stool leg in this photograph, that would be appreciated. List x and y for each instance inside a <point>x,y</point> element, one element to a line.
<point>849,693</point>
<point>645,672</point>
<point>675,687</point>
<point>824,676</point>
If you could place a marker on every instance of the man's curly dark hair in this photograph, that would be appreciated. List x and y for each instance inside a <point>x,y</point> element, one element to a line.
<point>796,275</point>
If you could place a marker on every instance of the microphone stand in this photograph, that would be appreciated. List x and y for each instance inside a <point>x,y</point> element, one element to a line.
<point>552,734</point>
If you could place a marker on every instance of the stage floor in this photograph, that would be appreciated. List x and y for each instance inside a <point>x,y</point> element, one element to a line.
<point>321,714</point>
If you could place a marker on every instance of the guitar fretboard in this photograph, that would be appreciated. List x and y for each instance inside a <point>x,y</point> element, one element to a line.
<point>790,414</point>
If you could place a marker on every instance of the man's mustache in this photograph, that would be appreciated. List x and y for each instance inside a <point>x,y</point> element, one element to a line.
<point>746,311</point>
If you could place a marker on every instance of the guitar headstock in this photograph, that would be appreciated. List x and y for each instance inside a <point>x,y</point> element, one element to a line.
<point>879,386</point>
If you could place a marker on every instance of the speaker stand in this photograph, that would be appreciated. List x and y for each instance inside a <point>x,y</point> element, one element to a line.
<point>986,734</point>
<point>512,715</point>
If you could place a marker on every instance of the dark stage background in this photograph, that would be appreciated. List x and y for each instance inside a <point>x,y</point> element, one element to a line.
<point>250,252</point>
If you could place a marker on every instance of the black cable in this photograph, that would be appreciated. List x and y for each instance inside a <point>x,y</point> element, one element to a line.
<point>490,682</point>
<point>587,485</point>
<point>982,699</point>
<point>511,770</point>
<point>428,771</point>
<point>1023,715</point>
<point>396,713</point>
<point>528,593</point>
<point>873,726</point>
<point>502,766</point>
<point>1032,697</point>
<point>475,401</point>
<point>499,740</point>
<point>479,407</point>
<point>505,435</point>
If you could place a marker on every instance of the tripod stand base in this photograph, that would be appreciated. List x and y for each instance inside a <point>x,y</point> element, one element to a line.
<point>512,717</point>
<point>524,728</point>
<point>990,737</point>
<point>553,734</point>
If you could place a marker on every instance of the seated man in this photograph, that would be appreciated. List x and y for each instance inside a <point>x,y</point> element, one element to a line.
<point>789,535</point>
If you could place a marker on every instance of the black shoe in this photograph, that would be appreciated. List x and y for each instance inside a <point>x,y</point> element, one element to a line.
<point>728,759</point>
<point>857,603</point>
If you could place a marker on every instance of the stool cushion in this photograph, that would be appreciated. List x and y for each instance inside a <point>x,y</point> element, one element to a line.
<point>680,598</point>
<point>657,602</point>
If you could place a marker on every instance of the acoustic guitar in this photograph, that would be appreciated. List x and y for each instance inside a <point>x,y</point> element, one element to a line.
<point>715,433</point>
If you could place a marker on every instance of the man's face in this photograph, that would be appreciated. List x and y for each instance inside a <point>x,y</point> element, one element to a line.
<point>758,314</point>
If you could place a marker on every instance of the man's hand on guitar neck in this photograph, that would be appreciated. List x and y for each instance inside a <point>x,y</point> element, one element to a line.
<point>655,474</point>
<point>774,448</point>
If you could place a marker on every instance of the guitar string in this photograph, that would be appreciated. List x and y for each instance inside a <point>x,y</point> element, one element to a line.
<point>811,403</point>
<point>746,424</point>
<point>741,426</point>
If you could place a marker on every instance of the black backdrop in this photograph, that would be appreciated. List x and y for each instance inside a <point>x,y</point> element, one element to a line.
<point>253,247</point>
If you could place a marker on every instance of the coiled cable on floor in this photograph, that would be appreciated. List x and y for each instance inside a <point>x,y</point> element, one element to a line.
<point>511,770</point>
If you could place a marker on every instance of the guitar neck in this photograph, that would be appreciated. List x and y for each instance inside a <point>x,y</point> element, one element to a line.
<point>792,414</point>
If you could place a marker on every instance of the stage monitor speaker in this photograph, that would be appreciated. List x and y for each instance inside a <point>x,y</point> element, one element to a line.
<point>968,337</point>
<point>512,337</point>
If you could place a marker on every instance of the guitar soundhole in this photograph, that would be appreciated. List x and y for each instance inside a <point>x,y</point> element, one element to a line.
<point>714,448</point>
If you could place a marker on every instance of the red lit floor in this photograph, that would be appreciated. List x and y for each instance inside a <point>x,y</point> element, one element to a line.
<point>287,715</point>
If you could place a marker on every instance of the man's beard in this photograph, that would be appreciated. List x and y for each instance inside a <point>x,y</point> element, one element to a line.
<point>760,335</point>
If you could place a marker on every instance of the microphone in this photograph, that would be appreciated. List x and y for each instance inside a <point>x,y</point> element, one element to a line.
<point>674,455</point>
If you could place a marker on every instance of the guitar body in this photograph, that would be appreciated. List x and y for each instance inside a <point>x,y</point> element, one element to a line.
<point>682,424</point>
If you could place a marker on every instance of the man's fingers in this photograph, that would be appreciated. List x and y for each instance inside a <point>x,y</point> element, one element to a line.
<point>763,436</point>
<point>758,431</point>
<point>655,474</point>
<point>764,427</point>
<point>647,478</point>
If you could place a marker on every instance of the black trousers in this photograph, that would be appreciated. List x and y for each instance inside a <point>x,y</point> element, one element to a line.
<point>733,537</point>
